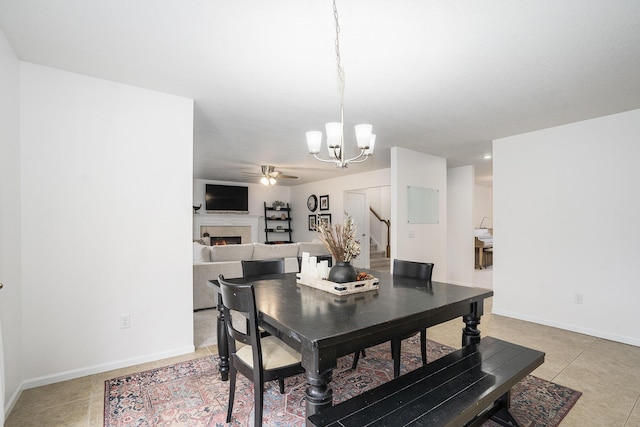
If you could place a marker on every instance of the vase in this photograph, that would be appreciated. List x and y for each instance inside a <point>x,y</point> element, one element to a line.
<point>343,272</point>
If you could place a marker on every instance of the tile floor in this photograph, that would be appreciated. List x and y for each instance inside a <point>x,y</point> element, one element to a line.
<point>606,372</point>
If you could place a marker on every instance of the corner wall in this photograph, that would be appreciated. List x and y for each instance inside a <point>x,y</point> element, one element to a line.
<point>418,242</point>
<point>566,212</point>
<point>106,173</point>
<point>10,229</point>
<point>460,242</point>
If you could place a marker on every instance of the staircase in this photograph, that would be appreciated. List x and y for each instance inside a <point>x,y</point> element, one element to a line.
<point>377,259</point>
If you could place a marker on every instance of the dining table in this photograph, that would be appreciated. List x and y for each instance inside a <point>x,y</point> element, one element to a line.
<point>323,326</point>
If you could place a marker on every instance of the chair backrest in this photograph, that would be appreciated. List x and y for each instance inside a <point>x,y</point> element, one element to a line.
<point>241,299</point>
<point>258,267</point>
<point>415,270</point>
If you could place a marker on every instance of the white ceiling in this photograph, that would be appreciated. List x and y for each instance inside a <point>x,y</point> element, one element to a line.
<point>441,77</point>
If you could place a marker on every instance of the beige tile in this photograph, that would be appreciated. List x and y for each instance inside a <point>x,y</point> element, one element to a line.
<point>68,414</point>
<point>634,418</point>
<point>599,406</point>
<point>96,411</point>
<point>53,394</point>
<point>603,367</point>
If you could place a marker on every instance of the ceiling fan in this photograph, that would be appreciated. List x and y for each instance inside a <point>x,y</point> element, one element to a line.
<point>269,175</point>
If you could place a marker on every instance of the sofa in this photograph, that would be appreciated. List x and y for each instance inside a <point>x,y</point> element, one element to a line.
<point>210,261</point>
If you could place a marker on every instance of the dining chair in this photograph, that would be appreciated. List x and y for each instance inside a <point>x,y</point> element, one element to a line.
<point>259,267</point>
<point>260,359</point>
<point>415,270</point>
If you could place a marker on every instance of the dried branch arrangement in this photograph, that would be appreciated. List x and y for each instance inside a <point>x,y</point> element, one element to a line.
<point>340,239</point>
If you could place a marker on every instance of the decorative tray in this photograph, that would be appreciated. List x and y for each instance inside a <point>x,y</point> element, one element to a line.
<point>339,288</point>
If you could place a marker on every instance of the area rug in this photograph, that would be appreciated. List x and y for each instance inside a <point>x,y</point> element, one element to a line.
<point>192,394</point>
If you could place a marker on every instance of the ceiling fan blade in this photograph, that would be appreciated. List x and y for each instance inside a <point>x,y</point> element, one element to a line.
<point>287,176</point>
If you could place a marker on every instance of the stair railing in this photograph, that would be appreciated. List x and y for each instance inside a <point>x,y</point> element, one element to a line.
<point>388,224</point>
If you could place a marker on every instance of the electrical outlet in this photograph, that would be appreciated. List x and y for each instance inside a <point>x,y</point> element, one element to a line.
<point>578,299</point>
<point>125,321</point>
<point>411,234</point>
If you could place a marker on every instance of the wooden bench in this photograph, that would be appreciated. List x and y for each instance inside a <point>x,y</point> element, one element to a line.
<point>464,388</point>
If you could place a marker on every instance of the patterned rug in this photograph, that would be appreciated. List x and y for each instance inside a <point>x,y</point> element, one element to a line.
<point>192,394</point>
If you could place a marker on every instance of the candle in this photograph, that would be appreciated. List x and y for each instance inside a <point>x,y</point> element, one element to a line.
<point>304,265</point>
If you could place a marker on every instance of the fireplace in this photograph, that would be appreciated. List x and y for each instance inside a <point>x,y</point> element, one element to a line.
<point>245,226</point>
<point>225,240</point>
<point>226,235</point>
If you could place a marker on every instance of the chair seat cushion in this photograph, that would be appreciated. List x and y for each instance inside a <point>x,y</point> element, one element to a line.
<point>275,354</point>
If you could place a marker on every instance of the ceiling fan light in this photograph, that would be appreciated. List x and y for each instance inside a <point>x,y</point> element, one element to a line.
<point>363,135</point>
<point>314,141</point>
<point>264,180</point>
<point>272,181</point>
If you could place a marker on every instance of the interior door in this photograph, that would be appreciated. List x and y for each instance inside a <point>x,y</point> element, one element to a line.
<point>356,205</point>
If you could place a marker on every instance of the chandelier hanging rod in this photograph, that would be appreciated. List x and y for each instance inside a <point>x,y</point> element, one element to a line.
<point>335,130</point>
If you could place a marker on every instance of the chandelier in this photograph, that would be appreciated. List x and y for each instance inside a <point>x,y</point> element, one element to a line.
<point>365,139</point>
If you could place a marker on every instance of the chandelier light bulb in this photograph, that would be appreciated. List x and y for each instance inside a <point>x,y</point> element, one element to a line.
<point>363,136</point>
<point>314,141</point>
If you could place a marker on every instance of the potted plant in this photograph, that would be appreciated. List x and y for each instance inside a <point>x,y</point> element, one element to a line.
<point>277,205</point>
<point>340,240</point>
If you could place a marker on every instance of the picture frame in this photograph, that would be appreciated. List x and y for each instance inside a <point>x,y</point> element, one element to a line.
<point>312,222</point>
<point>325,218</point>
<point>324,203</point>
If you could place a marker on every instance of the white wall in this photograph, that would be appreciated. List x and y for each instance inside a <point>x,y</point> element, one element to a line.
<point>566,212</point>
<point>335,189</point>
<point>483,207</point>
<point>106,174</point>
<point>10,244</point>
<point>460,242</point>
<point>418,242</point>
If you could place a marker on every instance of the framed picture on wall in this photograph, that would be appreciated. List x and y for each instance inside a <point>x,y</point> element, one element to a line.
<point>324,203</point>
<point>312,222</point>
<point>326,218</point>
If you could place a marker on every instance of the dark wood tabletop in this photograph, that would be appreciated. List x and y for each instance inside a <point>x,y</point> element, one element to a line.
<point>323,326</point>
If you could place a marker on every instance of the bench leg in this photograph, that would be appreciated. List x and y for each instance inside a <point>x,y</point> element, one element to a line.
<point>503,415</point>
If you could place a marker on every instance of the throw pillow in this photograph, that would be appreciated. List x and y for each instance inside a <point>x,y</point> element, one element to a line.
<point>201,253</point>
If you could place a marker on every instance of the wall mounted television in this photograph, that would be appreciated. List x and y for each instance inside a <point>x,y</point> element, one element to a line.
<point>226,198</point>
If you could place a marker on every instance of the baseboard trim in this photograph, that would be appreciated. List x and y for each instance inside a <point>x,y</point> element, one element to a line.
<point>569,327</point>
<point>91,370</point>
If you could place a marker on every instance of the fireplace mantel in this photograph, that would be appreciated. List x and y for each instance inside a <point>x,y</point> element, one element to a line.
<point>226,220</point>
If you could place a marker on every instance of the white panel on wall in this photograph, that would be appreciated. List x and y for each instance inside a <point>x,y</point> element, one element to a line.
<point>106,190</point>
<point>566,211</point>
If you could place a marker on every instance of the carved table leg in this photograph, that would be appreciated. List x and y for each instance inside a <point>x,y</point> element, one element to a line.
<point>223,349</point>
<point>470,333</point>
<point>319,395</point>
